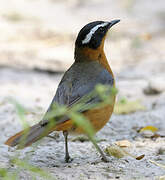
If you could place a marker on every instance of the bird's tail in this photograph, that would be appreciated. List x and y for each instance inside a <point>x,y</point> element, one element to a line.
<point>34,133</point>
<point>28,136</point>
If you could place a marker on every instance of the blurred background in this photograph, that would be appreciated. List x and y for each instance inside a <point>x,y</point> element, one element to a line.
<point>37,45</point>
<point>38,36</point>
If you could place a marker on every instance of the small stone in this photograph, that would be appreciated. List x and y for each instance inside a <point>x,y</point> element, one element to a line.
<point>161,150</point>
<point>123,143</point>
<point>147,134</point>
<point>155,86</point>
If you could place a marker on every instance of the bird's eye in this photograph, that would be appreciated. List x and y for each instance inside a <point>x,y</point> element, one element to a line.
<point>101,29</point>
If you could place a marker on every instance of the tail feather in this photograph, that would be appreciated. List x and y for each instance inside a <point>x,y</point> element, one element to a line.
<point>26,138</point>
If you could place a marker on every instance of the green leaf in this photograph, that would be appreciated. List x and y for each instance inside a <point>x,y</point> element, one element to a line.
<point>126,107</point>
<point>33,169</point>
<point>3,172</point>
<point>82,122</point>
<point>21,113</point>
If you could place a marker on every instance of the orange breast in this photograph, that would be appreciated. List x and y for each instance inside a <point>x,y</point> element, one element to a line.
<point>97,117</point>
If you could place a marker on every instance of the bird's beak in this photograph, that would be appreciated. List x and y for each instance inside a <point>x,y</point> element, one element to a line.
<point>113,23</point>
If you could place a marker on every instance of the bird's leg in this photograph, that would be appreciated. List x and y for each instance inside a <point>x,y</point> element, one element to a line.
<point>67,157</point>
<point>104,158</point>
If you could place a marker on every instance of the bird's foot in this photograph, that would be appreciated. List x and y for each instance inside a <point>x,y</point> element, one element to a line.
<point>68,159</point>
<point>105,159</point>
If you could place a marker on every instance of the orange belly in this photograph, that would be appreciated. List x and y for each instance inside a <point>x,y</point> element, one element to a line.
<point>97,117</point>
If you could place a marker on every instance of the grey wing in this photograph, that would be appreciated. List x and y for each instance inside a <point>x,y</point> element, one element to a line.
<point>72,90</point>
<point>69,92</point>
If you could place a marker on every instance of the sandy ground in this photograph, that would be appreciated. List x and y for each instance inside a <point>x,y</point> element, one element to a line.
<point>37,46</point>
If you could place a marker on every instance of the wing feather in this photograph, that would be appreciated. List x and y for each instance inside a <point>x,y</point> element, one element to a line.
<point>77,83</point>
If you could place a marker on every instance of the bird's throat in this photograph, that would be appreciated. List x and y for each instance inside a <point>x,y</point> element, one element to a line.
<point>88,54</point>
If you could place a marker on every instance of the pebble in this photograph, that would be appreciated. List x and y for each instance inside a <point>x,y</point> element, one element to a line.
<point>155,86</point>
<point>147,134</point>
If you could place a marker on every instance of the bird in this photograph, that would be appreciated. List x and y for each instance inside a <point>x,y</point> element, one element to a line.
<point>90,67</point>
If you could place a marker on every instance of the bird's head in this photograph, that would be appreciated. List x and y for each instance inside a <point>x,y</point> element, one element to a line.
<point>93,34</point>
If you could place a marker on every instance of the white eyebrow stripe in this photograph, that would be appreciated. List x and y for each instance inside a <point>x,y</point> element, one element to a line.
<point>92,31</point>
